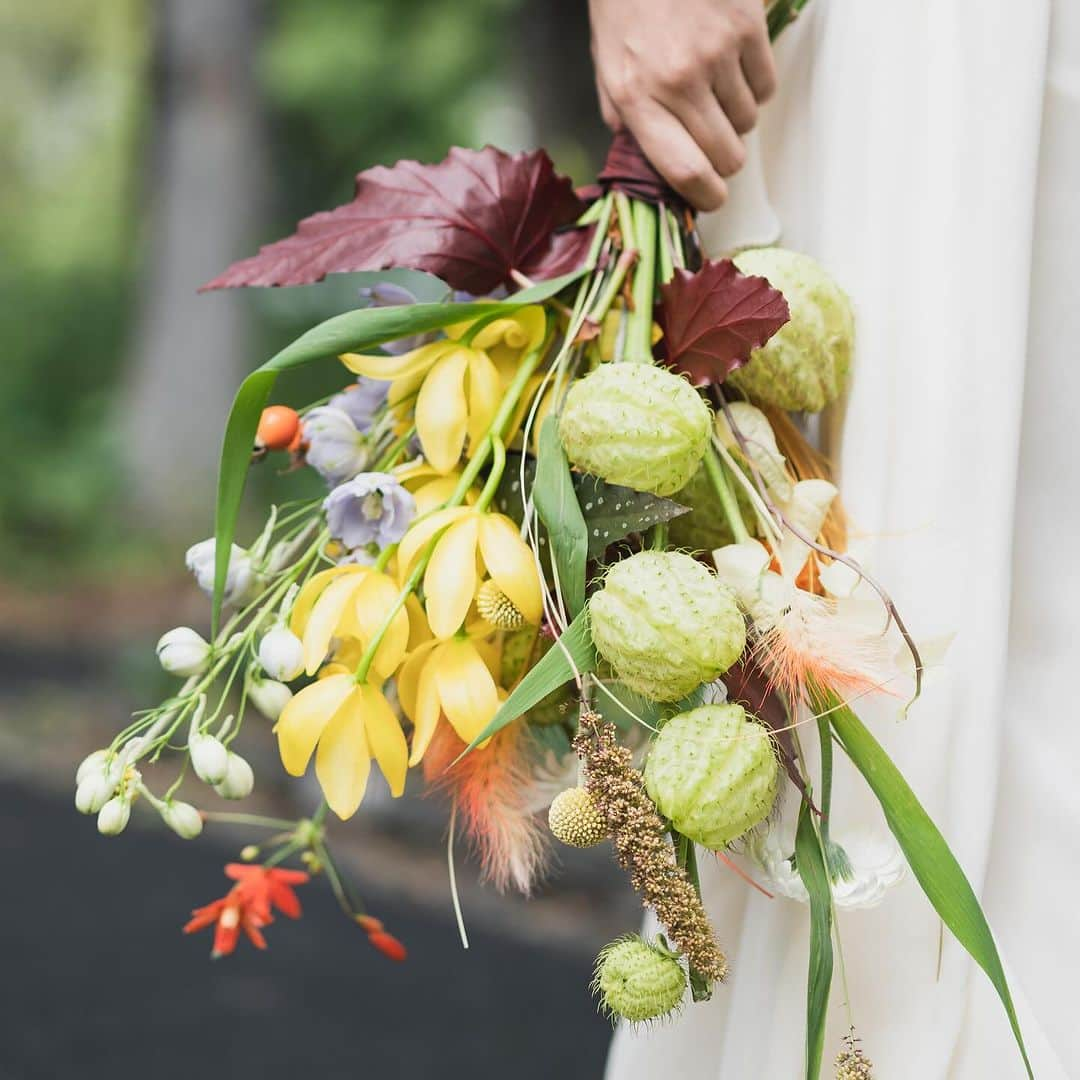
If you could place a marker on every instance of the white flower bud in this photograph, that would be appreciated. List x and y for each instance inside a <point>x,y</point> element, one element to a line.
<point>239,779</point>
<point>182,651</point>
<point>281,654</point>
<point>269,697</point>
<point>113,817</point>
<point>93,792</point>
<point>241,579</point>
<point>209,758</point>
<point>92,763</point>
<point>183,819</point>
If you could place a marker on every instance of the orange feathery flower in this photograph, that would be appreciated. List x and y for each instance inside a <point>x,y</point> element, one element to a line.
<point>490,787</point>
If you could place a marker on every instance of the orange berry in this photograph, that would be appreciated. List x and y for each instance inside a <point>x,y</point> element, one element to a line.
<point>369,924</point>
<point>388,945</point>
<point>278,427</point>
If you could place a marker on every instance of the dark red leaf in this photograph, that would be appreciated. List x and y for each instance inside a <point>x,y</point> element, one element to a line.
<point>713,319</point>
<point>749,686</point>
<point>627,169</point>
<point>470,220</point>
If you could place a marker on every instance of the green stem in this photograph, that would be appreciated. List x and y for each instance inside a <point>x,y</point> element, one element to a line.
<point>715,468</point>
<point>686,855</point>
<point>256,820</point>
<point>640,323</point>
<point>495,475</point>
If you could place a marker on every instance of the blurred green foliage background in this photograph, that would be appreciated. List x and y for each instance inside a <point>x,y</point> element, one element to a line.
<point>91,91</point>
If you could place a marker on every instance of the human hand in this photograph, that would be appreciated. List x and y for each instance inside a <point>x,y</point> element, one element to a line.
<point>686,77</point>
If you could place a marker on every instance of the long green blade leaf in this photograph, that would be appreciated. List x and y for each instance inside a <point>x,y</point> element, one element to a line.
<point>348,332</point>
<point>557,504</point>
<point>572,654</point>
<point>810,862</point>
<point>934,865</point>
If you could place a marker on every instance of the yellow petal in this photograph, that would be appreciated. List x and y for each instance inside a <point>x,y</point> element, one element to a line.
<point>441,411</point>
<point>395,367</point>
<point>374,598</point>
<point>427,709</point>
<point>325,618</point>
<point>385,738</point>
<point>485,396</point>
<point>432,495</point>
<point>305,717</point>
<point>306,597</point>
<point>507,340</point>
<point>510,562</point>
<point>419,536</point>
<point>343,762</point>
<point>419,631</point>
<point>408,678</point>
<point>467,691</point>
<point>450,579</point>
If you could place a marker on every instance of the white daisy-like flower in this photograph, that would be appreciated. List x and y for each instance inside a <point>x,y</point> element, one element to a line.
<point>875,865</point>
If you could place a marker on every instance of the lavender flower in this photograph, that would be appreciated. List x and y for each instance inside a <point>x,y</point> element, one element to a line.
<point>372,508</point>
<point>361,401</point>
<point>336,450</point>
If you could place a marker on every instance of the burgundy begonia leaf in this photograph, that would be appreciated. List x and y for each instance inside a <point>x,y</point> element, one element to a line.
<point>628,170</point>
<point>713,319</point>
<point>470,220</point>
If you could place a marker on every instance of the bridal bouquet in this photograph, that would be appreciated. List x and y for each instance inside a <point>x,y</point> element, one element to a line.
<point>574,556</point>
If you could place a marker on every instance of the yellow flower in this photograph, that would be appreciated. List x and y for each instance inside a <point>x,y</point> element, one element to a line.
<point>507,340</point>
<point>350,723</point>
<point>350,603</point>
<point>451,579</point>
<point>457,387</point>
<point>452,678</point>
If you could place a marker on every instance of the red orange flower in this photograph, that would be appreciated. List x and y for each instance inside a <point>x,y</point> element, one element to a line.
<point>248,905</point>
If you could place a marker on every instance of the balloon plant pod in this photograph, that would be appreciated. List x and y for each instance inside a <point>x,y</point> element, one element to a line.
<point>549,521</point>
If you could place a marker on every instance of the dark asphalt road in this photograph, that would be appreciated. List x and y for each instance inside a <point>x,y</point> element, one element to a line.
<point>98,982</point>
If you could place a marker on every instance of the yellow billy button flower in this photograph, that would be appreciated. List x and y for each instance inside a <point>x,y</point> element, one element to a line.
<point>452,678</point>
<point>349,604</point>
<point>349,723</point>
<point>452,578</point>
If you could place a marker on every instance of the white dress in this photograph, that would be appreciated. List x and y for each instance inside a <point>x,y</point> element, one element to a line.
<point>904,153</point>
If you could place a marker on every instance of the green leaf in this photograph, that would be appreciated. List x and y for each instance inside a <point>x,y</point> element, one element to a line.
<point>927,853</point>
<point>557,506</point>
<point>572,654</point>
<point>612,512</point>
<point>347,332</point>
<point>810,863</point>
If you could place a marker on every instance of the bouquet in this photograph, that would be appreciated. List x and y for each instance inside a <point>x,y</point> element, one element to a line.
<point>574,555</point>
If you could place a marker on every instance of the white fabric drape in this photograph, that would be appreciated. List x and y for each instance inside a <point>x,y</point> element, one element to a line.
<point>904,152</point>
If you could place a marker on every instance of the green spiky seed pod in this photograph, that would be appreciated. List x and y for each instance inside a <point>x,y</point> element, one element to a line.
<point>712,773</point>
<point>574,819</point>
<point>805,365</point>
<point>638,980</point>
<point>666,624</point>
<point>636,425</point>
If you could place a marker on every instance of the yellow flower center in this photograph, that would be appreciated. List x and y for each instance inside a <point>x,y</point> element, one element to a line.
<point>497,608</point>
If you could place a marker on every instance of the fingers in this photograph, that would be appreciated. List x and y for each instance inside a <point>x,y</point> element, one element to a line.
<point>758,67</point>
<point>676,155</point>
<point>607,107</point>
<point>736,98</point>
<point>710,126</point>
